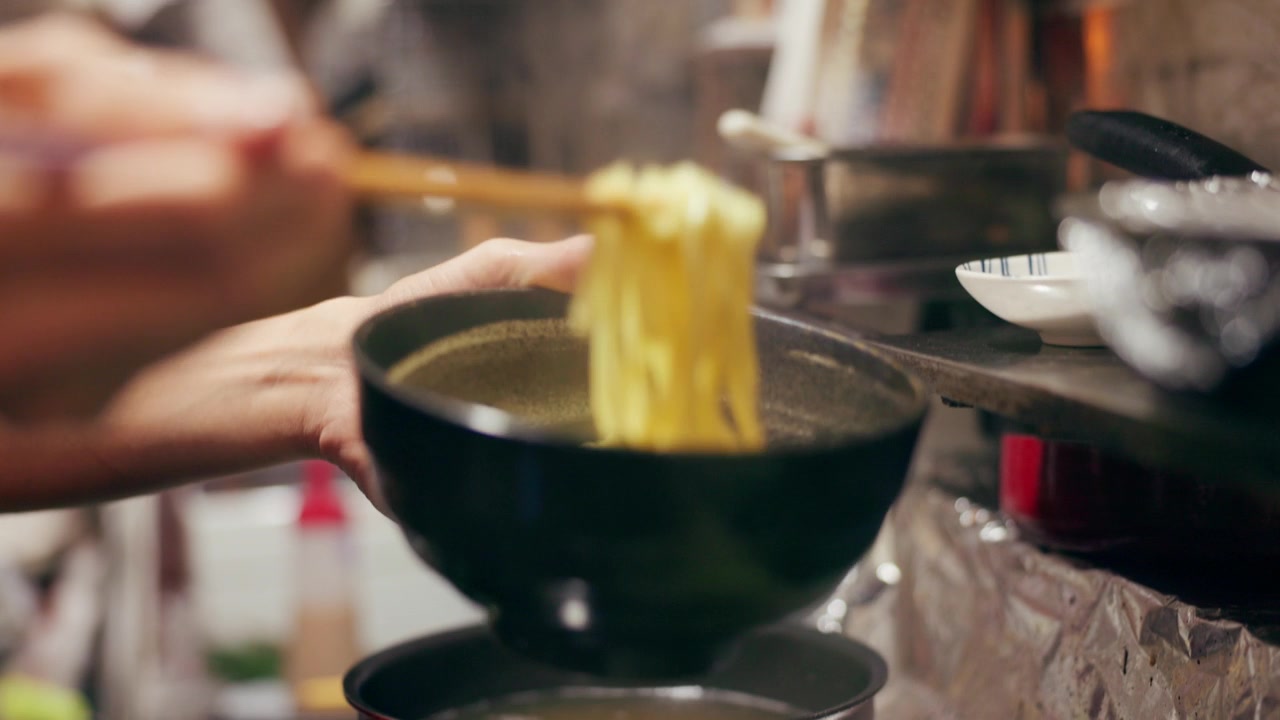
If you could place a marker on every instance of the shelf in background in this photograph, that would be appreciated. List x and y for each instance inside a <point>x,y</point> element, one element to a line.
<point>1091,396</point>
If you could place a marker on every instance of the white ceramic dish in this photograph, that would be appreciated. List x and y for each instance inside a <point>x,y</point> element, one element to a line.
<point>1044,292</point>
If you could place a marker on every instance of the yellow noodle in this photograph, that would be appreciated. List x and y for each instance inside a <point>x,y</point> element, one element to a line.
<point>665,302</point>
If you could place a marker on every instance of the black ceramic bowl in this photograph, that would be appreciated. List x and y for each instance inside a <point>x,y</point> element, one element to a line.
<point>609,560</point>
<point>820,677</point>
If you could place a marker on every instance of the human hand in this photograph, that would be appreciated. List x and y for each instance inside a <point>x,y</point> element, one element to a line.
<point>334,416</point>
<point>285,388</point>
<point>146,199</point>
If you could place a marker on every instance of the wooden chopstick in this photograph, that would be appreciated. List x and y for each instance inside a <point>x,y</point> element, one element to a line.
<point>376,175</point>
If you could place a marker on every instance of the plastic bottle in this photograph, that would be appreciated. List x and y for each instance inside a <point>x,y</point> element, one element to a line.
<point>324,643</point>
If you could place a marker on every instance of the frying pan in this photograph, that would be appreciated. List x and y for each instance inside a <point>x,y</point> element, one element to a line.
<point>609,560</point>
<point>823,677</point>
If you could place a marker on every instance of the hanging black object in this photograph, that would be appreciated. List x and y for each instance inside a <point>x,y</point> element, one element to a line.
<point>1152,147</point>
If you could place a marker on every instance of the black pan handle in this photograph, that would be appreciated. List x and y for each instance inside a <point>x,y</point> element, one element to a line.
<point>1154,148</point>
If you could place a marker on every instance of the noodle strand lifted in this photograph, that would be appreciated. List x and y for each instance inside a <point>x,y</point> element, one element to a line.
<point>665,304</point>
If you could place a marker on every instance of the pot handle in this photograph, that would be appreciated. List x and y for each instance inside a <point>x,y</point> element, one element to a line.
<point>1153,147</point>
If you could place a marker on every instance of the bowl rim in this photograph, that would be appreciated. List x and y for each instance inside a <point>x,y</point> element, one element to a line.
<point>877,667</point>
<point>1074,276</point>
<point>498,424</point>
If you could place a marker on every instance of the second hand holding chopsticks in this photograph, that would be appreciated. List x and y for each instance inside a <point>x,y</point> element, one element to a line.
<point>378,175</point>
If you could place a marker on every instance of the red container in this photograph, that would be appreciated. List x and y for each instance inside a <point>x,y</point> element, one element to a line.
<point>1076,497</point>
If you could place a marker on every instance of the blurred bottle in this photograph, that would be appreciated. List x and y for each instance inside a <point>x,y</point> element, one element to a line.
<point>324,643</point>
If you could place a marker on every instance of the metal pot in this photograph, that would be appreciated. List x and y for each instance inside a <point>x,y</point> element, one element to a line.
<point>913,212</point>
<point>820,676</point>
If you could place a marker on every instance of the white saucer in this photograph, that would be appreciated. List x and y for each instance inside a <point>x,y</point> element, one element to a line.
<point>1043,292</point>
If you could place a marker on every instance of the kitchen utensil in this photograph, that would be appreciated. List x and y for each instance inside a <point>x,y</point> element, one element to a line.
<point>1185,275</point>
<point>613,560</point>
<point>794,247</point>
<point>932,205</point>
<point>962,200</point>
<point>387,175</point>
<point>747,131</point>
<point>824,677</point>
<point>1153,147</point>
<point>1044,292</point>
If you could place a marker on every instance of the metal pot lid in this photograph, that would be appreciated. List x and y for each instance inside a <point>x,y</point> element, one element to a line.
<point>1217,208</point>
<point>1184,277</point>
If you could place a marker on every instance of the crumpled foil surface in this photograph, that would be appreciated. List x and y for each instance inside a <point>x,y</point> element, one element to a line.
<point>977,624</point>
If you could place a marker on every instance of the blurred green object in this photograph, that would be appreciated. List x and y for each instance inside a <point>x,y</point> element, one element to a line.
<point>246,663</point>
<point>24,698</point>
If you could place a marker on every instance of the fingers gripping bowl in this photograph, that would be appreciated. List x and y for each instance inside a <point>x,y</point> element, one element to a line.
<point>610,560</point>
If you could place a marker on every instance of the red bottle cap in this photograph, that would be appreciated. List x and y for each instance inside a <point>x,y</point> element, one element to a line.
<point>321,502</point>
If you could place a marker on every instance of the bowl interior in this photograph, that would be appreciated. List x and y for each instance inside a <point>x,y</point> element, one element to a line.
<point>817,675</point>
<point>517,356</point>
<point>535,370</point>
